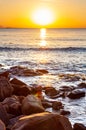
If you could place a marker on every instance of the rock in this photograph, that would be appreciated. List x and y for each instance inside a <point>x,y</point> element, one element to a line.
<point>79,126</point>
<point>43,121</point>
<point>57,105</point>
<point>51,92</point>
<point>75,94</point>
<point>5,88</point>
<point>4,74</point>
<point>41,71</point>
<point>20,88</point>
<point>12,105</point>
<point>64,112</point>
<point>31,104</point>
<point>3,115</point>
<point>21,71</point>
<point>69,77</point>
<point>66,88</point>
<point>82,85</point>
<point>13,121</point>
<point>2,126</point>
<point>46,103</point>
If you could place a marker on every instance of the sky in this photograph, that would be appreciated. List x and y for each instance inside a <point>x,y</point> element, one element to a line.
<point>65,13</point>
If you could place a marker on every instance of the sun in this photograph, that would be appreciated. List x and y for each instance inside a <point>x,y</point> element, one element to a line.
<point>43,16</point>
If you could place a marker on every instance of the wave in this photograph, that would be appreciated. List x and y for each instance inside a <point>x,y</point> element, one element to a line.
<point>42,49</point>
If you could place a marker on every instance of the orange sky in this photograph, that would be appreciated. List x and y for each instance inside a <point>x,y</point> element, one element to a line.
<point>66,13</point>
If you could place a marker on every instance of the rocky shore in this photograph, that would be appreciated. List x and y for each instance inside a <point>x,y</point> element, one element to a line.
<point>24,107</point>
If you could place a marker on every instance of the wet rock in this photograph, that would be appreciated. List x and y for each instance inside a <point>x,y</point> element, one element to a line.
<point>46,103</point>
<point>43,121</point>
<point>79,126</point>
<point>20,88</point>
<point>82,85</point>
<point>75,94</point>
<point>67,88</point>
<point>21,71</point>
<point>31,104</point>
<point>6,88</point>
<point>4,74</point>
<point>41,71</point>
<point>2,126</point>
<point>64,112</point>
<point>57,105</point>
<point>51,92</point>
<point>12,105</point>
<point>3,115</point>
<point>69,77</point>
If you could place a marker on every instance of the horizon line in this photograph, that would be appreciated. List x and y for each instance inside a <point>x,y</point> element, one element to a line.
<point>43,27</point>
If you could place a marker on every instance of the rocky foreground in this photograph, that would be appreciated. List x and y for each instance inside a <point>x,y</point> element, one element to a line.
<point>23,107</point>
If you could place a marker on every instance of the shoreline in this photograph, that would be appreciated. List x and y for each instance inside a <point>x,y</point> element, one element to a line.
<point>19,99</point>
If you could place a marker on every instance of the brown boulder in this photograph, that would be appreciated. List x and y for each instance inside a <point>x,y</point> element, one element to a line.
<point>3,115</point>
<point>75,94</point>
<point>31,104</point>
<point>64,112</point>
<point>5,88</point>
<point>57,105</point>
<point>20,88</point>
<point>2,126</point>
<point>79,126</point>
<point>43,121</point>
<point>12,105</point>
<point>51,92</point>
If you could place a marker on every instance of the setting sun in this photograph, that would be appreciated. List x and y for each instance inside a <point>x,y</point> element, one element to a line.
<point>43,16</point>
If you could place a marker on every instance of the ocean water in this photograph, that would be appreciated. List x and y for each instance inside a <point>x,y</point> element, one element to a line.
<point>61,51</point>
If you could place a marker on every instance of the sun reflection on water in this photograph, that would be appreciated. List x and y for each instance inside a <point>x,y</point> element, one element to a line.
<point>43,42</point>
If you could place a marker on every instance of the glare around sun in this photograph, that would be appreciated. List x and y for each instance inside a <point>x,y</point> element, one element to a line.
<point>43,16</point>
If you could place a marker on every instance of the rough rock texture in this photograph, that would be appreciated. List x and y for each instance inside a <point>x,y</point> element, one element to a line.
<point>2,126</point>
<point>3,115</point>
<point>12,105</point>
<point>20,88</point>
<point>43,121</point>
<point>31,104</point>
<point>5,88</point>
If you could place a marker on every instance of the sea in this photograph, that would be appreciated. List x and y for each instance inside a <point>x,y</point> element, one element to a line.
<point>60,51</point>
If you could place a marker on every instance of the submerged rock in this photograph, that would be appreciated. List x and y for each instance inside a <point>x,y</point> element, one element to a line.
<point>31,104</point>
<point>6,88</point>
<point>43,121</point>
<point>75,94</point>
